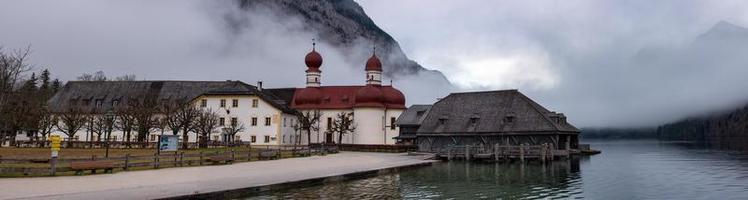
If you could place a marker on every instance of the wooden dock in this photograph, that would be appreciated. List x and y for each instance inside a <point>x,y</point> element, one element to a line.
<point>497,152</point>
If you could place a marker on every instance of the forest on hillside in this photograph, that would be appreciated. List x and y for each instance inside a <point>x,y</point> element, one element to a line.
<point>724,130</point>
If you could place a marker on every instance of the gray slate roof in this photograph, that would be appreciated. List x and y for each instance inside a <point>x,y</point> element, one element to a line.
<point>414,115</point>
<point>88,93</point>
<point>491,111</point>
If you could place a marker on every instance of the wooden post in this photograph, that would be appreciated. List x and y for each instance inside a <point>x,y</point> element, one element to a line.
<point>93,157</point>
<point>232,155</point>
<point>467,152</point>
<point>449,153</point>
<point>496,152</point>
<point>181,159</point>
<point>522,153</point>
<point>249,154</point>
<point>201,158</point>
<point>175,159</point>
<point>155,161</point>
<point>127,162</point>
<point>53,165</point>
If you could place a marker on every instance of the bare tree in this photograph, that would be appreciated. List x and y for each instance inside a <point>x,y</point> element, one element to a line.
<point>183,119</point>
<point>71,121</point>
<point>342,125</point>
<point>12,65</point>
<point>126,77</point>
<point>125,122</point>
<point>308,121</point>
<point>47,122</point>
<point>234,127</point>
<point>144,111</point>
<point>205,124</point>
<point>96,76</point>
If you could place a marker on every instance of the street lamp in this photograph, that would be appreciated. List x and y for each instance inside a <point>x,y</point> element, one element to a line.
<point>109,115</point>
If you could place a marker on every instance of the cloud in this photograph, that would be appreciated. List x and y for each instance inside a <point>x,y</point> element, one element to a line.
<point>582,58</point>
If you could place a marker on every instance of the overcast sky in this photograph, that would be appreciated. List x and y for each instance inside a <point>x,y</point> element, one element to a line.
<point>578,57</point>
<point>592,60</point>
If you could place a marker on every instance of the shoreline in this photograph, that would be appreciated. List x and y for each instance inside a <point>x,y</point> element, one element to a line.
<point>224,181</point>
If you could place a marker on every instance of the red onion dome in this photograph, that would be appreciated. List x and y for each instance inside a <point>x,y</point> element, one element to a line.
<point>310,95</point>
<point>369,96</point>
<point>313,61</point>
<point>393,98</point>
<point>373,64</point>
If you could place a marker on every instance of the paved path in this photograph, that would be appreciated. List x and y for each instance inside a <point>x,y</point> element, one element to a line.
<point>170,182</point>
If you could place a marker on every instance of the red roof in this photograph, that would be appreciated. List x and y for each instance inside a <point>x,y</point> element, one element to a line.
<point>339,97</point>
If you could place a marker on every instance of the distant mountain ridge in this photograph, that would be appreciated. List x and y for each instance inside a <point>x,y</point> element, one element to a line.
<point>342,23</point>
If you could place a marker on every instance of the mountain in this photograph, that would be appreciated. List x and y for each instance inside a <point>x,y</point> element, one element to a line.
<point>717,53</point>
<point>344,24</point>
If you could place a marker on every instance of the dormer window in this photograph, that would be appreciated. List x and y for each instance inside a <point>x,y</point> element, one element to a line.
<point>115,103</point>
<point>443,120</point>
<point>509,119</point>
<point>474,118</point>
<point>99,103</point>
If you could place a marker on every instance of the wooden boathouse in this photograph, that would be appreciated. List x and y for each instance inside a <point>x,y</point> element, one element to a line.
<point>490,125</point>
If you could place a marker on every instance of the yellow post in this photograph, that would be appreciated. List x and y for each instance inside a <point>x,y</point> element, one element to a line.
<point>55,147</point>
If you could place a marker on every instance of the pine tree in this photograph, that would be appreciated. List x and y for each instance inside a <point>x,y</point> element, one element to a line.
<point>56,84</point>
<point>45,81</point>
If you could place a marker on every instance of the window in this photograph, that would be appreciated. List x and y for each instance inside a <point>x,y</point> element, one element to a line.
<point>99,103</point>
<point>329,123</point>
<point>253,139</point>
<point>215,138</point>
<point>392,123</point>
<point>203,103</point>
<point>284,122</point>
<point>153,137</point>
<point>221,121</point>
<point>115,103</point>
<point>267,121</point>
<point>267,138</point>
<point>235,103</point>
<point>284,138</point>
<point>233,121</point>
<point>223,103</point>
<point>254,103</point>
<point>509,119</point>
<point>238,138</point>
<point>114,138</point>
<point>254,121</point>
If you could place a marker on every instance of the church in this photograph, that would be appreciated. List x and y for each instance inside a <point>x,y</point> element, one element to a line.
<point>268,114</point>
<point>375,107</point>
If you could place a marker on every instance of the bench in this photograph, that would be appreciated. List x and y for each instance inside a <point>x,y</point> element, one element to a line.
<point>220,159</point>
<point>79,166</point>
<point>268,154</point>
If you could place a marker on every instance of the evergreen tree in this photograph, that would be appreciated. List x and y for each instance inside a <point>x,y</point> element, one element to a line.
<point>45,81</point>
<point>56,84</point>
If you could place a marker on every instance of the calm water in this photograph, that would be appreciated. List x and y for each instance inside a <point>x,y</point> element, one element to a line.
<point>630,169</point>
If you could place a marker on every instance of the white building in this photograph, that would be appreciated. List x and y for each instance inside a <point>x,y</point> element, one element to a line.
<point>375,107</point>
<point>268,115</point>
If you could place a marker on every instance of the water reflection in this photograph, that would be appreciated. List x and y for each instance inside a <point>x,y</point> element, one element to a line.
<point>627,169</point>
<point>458,180</point>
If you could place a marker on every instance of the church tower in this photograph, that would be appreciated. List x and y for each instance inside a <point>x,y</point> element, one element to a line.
<point>313,62</point>
<point>373,70</point>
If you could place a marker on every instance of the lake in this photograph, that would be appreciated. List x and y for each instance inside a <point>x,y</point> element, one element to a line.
<point>627,169</point>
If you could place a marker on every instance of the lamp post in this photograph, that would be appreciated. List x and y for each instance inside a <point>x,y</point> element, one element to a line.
<point>109,115</point>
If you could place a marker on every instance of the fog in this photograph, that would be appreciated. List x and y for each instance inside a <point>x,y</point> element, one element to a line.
<point>612,63</point>
<point>602,63</point>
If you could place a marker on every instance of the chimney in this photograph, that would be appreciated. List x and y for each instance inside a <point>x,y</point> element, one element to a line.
<point>259,85</point>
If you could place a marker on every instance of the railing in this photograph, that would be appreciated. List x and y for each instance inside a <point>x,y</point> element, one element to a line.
<point>377,148</point>
<point>122,144</point>
<point>164,159</point>
<point>497,152</point>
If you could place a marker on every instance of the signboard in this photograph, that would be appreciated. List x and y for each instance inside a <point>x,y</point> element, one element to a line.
<point>55,142</point>
<point>168,143</point>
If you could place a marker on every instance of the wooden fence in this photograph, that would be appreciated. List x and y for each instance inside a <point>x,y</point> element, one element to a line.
<point>378,148</point>
<point>121,144</point>
<point>164,159</point>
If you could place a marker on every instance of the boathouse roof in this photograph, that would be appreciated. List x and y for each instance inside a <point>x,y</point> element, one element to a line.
<point>414,115</point>
<point>502,111</point>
